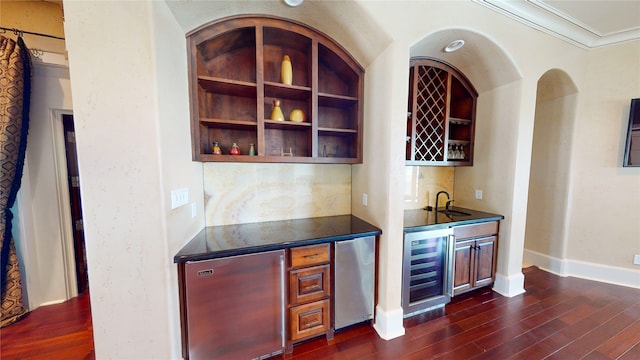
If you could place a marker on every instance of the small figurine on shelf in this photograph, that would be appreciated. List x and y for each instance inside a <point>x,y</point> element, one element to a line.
<point>235,149</point>
<point>286,70</point>
<point>276,113</point>
<point>216,148</point>
<point>252,150</point>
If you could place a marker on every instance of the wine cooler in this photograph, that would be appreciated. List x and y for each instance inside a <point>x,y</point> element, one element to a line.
<point>427,270</point>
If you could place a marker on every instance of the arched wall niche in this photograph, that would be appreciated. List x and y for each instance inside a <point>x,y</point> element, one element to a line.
<point>336,22</point>
<point>482,61</point>
<point>545,233</point>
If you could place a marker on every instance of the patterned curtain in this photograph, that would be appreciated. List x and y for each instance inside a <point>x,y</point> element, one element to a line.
<point>15,90</point>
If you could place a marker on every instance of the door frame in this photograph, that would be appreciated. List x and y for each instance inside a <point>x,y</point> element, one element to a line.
<point>64,201</point>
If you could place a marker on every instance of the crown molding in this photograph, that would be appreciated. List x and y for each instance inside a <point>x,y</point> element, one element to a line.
<point>550,20</point>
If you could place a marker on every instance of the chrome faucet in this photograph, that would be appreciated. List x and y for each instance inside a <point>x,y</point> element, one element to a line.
<point>438,200</point>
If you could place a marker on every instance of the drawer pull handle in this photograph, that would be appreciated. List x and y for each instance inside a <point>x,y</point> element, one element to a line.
<point>311,323</point>
<point>311,257</point>
<point>312,287</point>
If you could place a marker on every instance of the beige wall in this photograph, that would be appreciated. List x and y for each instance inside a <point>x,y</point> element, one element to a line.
<point>131,111</point>
<point>133,142</point>
<point>604,214</point>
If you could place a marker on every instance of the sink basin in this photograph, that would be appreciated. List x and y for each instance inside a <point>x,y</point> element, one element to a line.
<point>453,213</point>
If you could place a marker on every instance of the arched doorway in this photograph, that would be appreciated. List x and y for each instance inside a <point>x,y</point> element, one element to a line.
<point>555,113</point>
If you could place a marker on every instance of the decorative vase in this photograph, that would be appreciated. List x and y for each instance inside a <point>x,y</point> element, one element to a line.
<point>235,149</point>
<point>297,115</point>
<point>252,150</point>
<point>276,113</point>
<point>286,71</point>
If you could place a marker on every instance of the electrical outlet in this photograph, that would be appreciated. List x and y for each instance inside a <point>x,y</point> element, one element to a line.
<point>179,197</point>
<point>365,199</point>
<point>194,210</point>
<point>636,259</point>
<point>478,194</point>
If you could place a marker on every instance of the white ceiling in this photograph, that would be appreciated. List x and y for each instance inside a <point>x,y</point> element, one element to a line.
<point>586,23</point>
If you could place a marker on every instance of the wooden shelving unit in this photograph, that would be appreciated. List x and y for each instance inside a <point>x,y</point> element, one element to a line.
<point>440,115</point>
<point>234,73</point>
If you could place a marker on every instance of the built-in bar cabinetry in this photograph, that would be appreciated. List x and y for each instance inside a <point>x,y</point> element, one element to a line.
<point>440,115</point>
<point>235,79</point>
<point>256,290</point>
<point>475,256</point>
<point>309,293</point>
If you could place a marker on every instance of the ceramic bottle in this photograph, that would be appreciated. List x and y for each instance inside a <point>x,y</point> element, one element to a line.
<point>286,71</point>
<point>276,113</point>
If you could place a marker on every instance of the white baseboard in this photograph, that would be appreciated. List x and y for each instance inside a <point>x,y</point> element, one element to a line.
<point>54,302</point>
<point>585,270</point>
<point>389,324</point>
<point>509,285</point>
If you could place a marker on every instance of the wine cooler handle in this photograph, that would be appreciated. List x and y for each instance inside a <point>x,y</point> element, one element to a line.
<point>452,262</point>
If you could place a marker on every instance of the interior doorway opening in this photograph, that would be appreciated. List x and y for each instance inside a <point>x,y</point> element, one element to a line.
<point>75,204</point>
<point>545,232</point>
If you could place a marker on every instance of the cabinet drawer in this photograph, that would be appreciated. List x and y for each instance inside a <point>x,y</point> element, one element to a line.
<point>309,255</point>
<point>309,320</point>
<point>475,230</point>
<point>309,284</point>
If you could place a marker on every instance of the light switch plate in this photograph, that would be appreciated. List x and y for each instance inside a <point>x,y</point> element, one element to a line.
<point>179,197</point>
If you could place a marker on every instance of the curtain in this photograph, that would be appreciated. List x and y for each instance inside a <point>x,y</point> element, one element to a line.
<point>15,90</point>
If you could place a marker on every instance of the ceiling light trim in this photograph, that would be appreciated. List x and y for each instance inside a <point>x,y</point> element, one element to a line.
<point>542,17</point>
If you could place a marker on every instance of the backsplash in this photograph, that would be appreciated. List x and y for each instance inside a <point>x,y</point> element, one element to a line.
<point>253,192</point>
<point>422,183</point>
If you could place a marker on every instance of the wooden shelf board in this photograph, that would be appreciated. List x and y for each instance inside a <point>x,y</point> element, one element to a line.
<point>273,89</point>
<point>227,87</point>
<point>276,159</point>
<point>332,100</point>
<point>459,121</point>
<point>225,123</point>
<point>275,124</point>
<point>328,131</point>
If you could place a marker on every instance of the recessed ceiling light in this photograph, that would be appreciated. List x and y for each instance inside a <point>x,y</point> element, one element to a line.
<point>293,2</point>
<point>454,45</point>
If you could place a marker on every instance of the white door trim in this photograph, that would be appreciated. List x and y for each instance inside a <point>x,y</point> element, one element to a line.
<point>64,202</point>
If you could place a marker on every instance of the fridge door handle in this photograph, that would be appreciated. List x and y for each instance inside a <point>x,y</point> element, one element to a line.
<point>282,301</point>
<point>452,264</point>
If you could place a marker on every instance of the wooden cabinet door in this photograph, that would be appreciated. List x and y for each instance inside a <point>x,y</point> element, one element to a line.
<point>485,260</point>
<point>463,271</point>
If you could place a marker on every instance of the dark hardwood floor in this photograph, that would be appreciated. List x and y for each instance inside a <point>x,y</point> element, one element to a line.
<point>557,318</point>
<point>60,331</point>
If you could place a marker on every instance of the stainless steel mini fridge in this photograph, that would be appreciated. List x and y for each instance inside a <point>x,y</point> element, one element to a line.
<point>355,268</point>
<point>235,306</point>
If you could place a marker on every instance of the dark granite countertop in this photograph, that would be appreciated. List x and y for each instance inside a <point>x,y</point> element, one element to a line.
<point>421,220</point>
<point>230,240</point>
